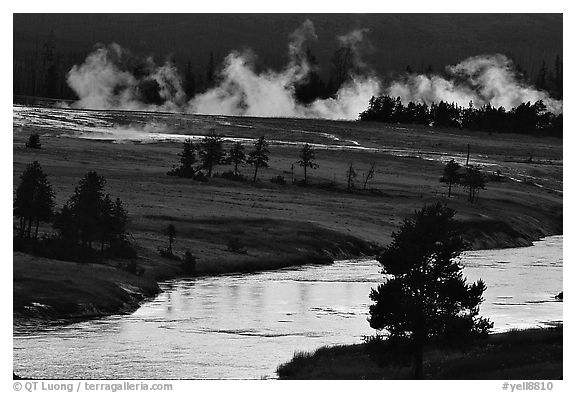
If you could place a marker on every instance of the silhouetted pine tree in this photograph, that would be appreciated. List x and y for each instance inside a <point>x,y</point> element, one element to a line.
<point>187,161</point>
<point>451,175</point>
<point>170,231</point>
<point>236,156</point>
<point>475,181</point>
<point>259,156</point>
<point>34,141</point>
<point>425,297</point>
<point>211,152</point>
<point>34,199</point>
<point>307,157</point>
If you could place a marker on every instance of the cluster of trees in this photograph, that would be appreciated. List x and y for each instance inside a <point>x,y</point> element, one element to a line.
<point>425,298</point>
<point>472,179</point>
<point>526,118</point>
<point>198,160</point>
<point>89,217</point>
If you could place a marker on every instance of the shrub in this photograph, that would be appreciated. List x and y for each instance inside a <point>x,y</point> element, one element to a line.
<point>134,268</point>
<point>34,142</point>
<point>200,176</point>
<point>385,351</point>
<point>166,253</point>
<point>230,175</point>
<point>278,180</point>
<point>234,245</point>
<point>189,263</point>
<point>56,248</point>
<point>122,248</point>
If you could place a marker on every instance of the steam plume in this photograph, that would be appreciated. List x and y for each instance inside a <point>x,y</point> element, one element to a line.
<point>480,80</point>
<point>111,78</point>
<point>106,81</point>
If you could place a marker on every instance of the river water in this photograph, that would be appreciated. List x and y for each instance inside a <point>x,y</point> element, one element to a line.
<point>244,325</point>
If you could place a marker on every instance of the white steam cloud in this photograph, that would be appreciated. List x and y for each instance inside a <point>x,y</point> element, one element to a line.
<point>100,83</point>
<point>109,79</point>
<point>245,92</point>
<point>480,80</point>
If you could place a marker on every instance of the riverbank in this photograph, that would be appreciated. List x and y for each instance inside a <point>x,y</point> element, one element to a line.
<point>277,225</point>
<point>48,289</point>
<point>532,354</point>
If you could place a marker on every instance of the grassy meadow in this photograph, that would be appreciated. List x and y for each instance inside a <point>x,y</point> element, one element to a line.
<point>278,225</point>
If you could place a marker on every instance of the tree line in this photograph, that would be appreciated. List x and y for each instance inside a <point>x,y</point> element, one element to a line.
<point>526,118</point>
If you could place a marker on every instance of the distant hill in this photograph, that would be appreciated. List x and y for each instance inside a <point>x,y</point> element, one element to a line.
<point>397,40</point>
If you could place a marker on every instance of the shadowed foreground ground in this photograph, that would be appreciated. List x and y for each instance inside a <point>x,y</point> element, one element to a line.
<point>533,354</point>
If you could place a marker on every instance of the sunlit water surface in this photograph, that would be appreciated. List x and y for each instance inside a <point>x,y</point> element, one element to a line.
<point>243,326</point>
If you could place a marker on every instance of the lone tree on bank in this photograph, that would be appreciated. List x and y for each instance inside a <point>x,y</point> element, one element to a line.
<point>170,231</point>
<point>426,298</point>
<point>451,175</point>
<point>307,156</point>
<point>259,156</point>
<point>34,199</point>
<point>211,152</point>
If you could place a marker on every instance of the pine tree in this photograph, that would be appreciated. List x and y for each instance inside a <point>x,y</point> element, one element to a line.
<point>211,152</point>
<point>307,156</point>
<point>259,156</point>
<point>475,181</point>
<point>34,141</point>
<point>170,231</point>
<point>236,156</point>
<point>86,205</point>
<point>34,199</point>
<point>187,160</point>
<point>425,296</point>
<point>189,81</point>
<point>210,71</point>
<point>451,175</point>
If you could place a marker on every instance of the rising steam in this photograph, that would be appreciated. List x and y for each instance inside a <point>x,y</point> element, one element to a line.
<point>480,80</point>
<point>110,79</point>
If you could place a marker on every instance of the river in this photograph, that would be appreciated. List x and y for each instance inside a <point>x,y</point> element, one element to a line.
<point>244,325</point>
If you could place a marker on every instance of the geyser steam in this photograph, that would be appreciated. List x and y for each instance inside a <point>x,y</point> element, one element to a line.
<point>110,78</point>
<point>107,80</point>
<point>480,80</point>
